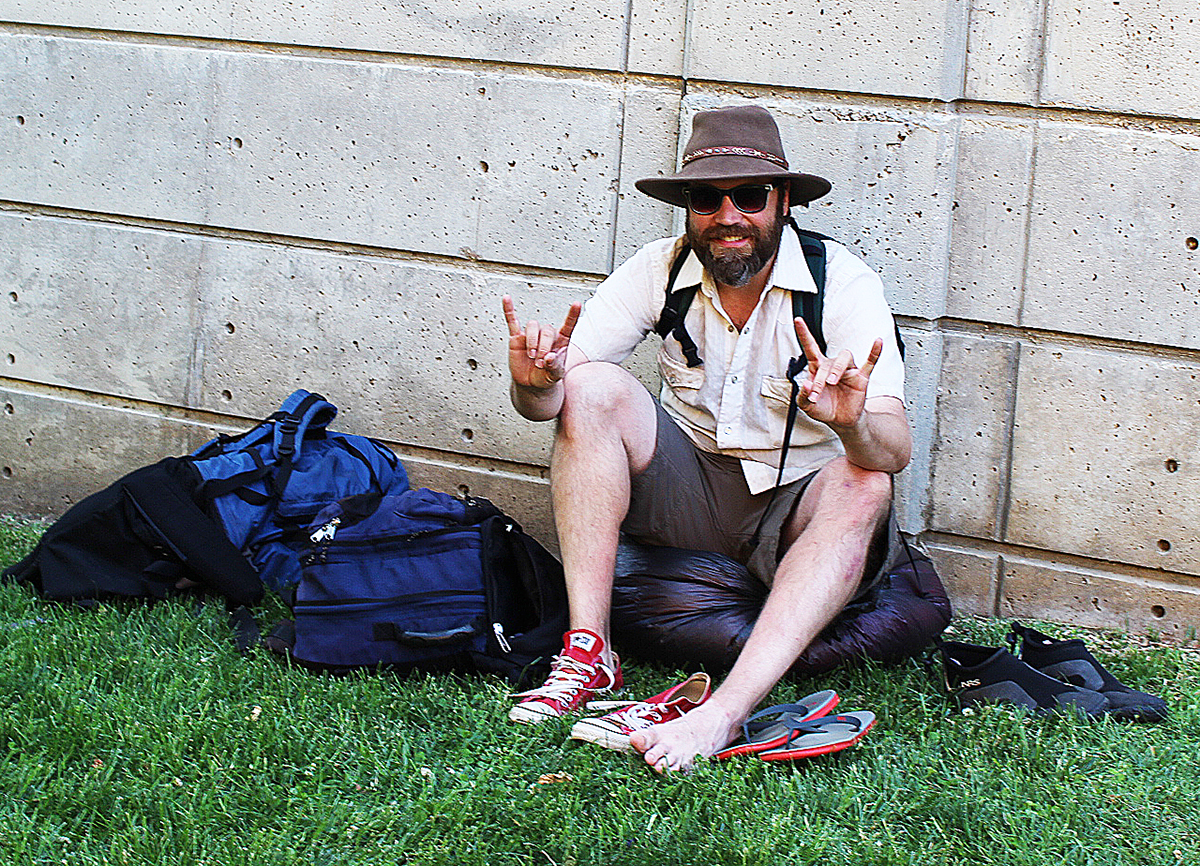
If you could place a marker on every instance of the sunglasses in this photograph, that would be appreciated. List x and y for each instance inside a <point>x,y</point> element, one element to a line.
<point>703,199</point>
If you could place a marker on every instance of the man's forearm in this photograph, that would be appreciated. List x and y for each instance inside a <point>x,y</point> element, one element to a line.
<point>537,404</point>
<point>880,441</point>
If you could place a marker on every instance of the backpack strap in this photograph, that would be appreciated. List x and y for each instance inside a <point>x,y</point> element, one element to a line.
<point>675,307</point>
<point>809,306</point>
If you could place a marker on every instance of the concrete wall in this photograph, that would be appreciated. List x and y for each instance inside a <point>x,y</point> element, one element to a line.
<point>206,206</point>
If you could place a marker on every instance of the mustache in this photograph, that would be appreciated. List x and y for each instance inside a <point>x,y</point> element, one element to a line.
<point>724,233</point>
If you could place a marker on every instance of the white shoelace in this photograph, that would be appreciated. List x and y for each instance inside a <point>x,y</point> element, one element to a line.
<point>639,715</point>
<point>567,676</point>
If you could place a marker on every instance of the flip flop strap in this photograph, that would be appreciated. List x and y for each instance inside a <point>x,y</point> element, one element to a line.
<point>818,726</point>
<point>770,712</point>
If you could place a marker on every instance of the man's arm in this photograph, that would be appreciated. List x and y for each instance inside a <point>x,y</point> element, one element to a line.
<point>538,358</point>
<point>874,432</point>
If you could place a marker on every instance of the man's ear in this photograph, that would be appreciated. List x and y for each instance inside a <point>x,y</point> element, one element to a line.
<point>783,196</point>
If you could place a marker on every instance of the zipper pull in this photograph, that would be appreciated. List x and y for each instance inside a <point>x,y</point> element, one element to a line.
<point>325,533</point>
<point>500,638</point>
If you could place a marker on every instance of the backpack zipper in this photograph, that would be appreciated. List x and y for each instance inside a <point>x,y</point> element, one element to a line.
<point>326,532</point>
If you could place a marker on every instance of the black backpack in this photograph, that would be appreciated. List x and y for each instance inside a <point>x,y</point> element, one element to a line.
<point>420,580</point>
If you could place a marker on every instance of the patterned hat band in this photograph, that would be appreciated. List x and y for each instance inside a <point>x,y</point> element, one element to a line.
<point>735,151</point>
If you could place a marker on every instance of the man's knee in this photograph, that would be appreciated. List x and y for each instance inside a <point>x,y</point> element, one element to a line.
<point>867,487</point>
<point>846,494</point>
<point>598,390</point>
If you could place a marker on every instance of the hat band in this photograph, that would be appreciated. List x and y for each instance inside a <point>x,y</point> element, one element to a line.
<point>734,151</point>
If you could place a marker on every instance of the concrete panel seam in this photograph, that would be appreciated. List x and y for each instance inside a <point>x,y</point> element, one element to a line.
<point>345,55</point>
<point>1004,500</point>
<point>615,207</point>
<point>229,423</point>
<point>1040,37</point>
<point>689,19</point>
<point>1028,554</point>
<point>998,585</point>
<point>416,257</point>
<point>682,84</point>
<point>1044,337</point>
<point>627,40</point>
<point>1029,196</point>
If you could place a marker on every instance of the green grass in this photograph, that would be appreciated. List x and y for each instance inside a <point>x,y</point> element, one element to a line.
<point>133,734</point>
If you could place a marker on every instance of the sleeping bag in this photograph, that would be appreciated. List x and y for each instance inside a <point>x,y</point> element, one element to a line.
<point>695,609</point>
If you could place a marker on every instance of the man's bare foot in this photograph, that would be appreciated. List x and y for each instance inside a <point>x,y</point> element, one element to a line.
<point>675,745</point>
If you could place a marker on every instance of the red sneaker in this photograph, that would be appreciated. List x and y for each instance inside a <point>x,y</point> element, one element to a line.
<point>612,731</point>
<point>576,676</point>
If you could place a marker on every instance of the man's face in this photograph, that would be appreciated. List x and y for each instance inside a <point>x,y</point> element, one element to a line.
<point>734,246</point>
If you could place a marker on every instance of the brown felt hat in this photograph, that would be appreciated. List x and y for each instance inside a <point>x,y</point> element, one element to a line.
<point>740,142</point>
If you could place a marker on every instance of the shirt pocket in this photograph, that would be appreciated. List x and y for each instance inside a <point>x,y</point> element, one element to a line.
<point>685,381</point>
<point>777,388</point>
<point>777,394</point>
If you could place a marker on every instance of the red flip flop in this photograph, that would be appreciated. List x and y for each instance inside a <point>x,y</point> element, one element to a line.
<point>822,736</point>
<point>773,727</point>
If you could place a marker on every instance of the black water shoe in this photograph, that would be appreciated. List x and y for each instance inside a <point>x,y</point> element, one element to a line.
<point>991,675</point>
<point>1070,661</point>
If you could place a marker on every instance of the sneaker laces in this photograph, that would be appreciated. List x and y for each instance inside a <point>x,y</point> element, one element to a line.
<point>640,715</point>
<point>567,676</point>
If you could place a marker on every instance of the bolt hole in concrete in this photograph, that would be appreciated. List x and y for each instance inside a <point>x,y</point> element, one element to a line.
<point>8,409</point>
<point>1192,243</point>
<point>226,395</point>
<point>464,491</point>
<point>483,165</point>
<point>237,142</point>
<point>468,435</point>
<point>8,472</point>
<point>12,359</point>
<point>1158,611</point>
<point>472,363</point>
<point>229,327</point>
<point>1172,464</point>
<point>20,120</point>
<point>12,296</point>
<point>1164,545</point>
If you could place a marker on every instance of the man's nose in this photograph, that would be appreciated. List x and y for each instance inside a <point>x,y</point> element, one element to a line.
<point>727,213</point>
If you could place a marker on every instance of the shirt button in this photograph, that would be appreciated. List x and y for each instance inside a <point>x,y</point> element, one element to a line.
<point>731,329</point>
<point>733,379</point>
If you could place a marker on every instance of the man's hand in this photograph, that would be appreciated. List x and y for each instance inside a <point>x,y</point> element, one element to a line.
<point>537,354</point>
<point>835,390</point>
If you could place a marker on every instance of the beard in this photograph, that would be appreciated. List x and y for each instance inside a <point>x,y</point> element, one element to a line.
<point>731,267</point>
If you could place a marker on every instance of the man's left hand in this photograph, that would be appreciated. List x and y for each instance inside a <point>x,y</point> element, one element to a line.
<point>834,390</point>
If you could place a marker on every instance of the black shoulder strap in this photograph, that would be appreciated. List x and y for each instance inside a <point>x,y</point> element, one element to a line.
<point>809,306</point>
<point>675,307</point>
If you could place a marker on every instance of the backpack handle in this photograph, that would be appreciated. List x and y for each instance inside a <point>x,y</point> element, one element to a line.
<point>390,631</point>
<point>302,414</point>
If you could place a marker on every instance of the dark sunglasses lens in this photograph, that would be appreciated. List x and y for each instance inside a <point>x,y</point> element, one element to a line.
<point>704,199</point>
<point>750,199</point>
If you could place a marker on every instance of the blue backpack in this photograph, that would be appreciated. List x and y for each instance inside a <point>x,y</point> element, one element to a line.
<point>420,580</point>
<point>266,485</point>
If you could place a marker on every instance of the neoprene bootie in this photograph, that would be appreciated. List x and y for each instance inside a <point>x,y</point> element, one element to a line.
<point>1070,661</point>
<point>992,675</point>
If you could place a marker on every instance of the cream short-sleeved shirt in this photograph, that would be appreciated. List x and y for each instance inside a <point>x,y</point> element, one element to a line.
<point>736,402</point>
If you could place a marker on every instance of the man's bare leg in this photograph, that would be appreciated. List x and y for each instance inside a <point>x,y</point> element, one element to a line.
<point>606,434</point>
<point>830,532</point>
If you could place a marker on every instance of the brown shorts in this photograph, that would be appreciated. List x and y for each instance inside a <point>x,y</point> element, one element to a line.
<point>697,500</point>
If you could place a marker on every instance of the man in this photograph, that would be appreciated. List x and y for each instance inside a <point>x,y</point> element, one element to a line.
<point>696,469</point>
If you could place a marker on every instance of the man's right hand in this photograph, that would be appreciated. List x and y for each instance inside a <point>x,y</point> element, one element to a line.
<point>537,354</point>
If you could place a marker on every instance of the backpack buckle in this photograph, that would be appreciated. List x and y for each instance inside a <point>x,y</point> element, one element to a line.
<point>287,441</point>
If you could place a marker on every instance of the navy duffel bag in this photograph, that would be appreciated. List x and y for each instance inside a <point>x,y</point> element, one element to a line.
<point>420,580</point>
